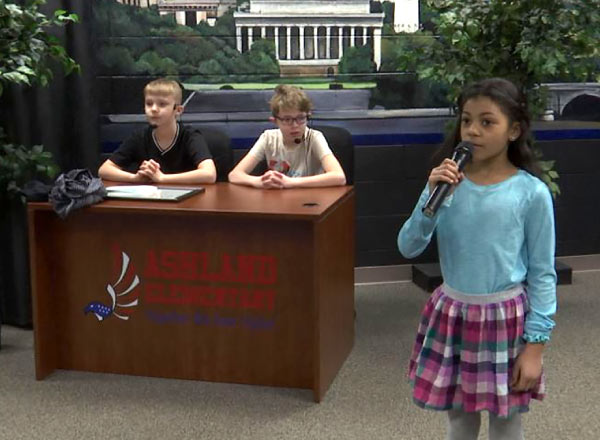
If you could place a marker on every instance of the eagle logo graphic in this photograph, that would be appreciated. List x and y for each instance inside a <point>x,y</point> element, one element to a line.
<point>102,311</point>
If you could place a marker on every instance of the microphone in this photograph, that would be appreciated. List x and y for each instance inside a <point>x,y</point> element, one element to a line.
<point>462,154</point>
<point>298,140</point>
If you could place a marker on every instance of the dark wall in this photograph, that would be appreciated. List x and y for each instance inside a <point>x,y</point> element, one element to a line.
<point>389,178</point>
<point>388,182</point>
<point>578,206</point>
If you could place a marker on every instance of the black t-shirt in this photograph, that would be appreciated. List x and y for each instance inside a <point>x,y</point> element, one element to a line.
<point>186,153</point>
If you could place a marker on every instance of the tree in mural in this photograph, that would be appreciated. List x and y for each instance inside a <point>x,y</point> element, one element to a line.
<point>405,90</point>
<point>357,60</point>
<point>529,42</point>
<point>200,54</point>
<point>261,58</point>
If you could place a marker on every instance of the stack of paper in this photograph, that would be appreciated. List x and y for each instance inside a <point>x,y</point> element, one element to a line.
<point>133,191</point>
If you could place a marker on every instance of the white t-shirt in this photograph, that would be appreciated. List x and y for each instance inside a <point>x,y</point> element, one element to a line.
<point>303,159</point>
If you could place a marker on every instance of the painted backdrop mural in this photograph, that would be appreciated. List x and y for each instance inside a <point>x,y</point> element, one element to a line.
<point>358,46</point>
<point>223,44</point>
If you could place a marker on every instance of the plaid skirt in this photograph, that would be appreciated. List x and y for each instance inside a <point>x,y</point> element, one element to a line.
<point>465,350</point>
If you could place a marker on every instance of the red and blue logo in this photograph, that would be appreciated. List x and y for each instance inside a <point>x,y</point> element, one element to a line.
<point>118,307</point>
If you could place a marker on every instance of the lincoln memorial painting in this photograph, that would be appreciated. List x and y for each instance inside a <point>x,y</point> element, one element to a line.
<point>257,44</point>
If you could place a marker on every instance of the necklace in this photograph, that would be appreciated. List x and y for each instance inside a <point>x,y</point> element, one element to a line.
<point>166,149</point>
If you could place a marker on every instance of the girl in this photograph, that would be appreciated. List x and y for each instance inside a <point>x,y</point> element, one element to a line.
<point>481,336</point>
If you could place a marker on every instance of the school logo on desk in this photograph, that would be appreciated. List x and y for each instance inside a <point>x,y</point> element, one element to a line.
<point>117,300</point>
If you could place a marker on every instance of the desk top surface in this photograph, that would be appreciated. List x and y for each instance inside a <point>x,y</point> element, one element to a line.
<point>229,199</point>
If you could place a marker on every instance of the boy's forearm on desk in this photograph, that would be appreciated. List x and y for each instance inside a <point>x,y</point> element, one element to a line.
<point>117,175</point>
<point>243,179</point>
<point>195,176</point>
<point>326,179</point>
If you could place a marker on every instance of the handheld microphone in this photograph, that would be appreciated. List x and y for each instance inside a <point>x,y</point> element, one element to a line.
<point>462,154</point>
<point>297,140</point>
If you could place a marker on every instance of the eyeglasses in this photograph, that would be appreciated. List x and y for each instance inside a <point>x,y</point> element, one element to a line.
<point>299,120</point>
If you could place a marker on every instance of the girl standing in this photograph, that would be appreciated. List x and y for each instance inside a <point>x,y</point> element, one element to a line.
<point>482,333</point>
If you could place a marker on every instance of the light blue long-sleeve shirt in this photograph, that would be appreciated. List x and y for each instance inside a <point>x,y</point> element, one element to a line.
<point>491,238</point>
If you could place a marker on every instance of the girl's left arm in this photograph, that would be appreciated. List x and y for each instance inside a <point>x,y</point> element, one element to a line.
<point>541,290</point>
<point>541,275</point>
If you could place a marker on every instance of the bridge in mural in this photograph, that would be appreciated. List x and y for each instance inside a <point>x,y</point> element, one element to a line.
<point>562,94</point>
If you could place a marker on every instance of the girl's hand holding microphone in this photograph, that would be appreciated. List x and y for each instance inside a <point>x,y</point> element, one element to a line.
<point>447,172</point>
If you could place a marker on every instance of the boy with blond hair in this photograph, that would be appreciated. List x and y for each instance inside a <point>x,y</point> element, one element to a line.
<point>296,155</point>
<point>166,151</point>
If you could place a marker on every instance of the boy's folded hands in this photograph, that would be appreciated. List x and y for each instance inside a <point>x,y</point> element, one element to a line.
<point>150,169</point>
<point>275,180</point>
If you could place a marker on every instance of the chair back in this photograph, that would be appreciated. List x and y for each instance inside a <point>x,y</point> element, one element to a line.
<point>219,145</point>
<point>342,146</point>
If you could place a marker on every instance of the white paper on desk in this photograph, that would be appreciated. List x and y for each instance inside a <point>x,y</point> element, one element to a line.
<point>134,190</point>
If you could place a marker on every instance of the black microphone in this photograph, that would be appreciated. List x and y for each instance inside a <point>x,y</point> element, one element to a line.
<point>297,140</point>
<point>462,154</point>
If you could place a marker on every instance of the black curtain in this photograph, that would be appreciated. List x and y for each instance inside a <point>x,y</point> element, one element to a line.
<point>64,118</point>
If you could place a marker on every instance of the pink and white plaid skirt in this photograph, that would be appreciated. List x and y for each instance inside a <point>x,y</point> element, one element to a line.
<point>465,350</point>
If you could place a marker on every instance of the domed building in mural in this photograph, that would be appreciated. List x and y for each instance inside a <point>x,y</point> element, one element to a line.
<point>311,36</point>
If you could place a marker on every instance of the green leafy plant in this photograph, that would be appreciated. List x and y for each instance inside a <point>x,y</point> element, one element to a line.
<point>26,53</point>
<point>527,41</point>
<point>549,175</point>
<point>26,46</point>
<point>19,165</point>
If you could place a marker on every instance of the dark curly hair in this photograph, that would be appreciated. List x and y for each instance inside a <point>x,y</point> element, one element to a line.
<point>513,103</point>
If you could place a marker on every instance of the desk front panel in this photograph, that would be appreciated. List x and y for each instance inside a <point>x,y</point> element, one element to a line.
<point>216,298</point>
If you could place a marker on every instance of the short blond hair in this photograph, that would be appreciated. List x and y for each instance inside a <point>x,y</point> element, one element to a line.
<point>164,87</point>
<point>289,97</point>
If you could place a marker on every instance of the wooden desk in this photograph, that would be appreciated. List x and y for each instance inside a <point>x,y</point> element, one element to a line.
<point>235,285</point>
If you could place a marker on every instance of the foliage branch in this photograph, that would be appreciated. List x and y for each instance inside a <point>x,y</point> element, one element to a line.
<point>27,50</point>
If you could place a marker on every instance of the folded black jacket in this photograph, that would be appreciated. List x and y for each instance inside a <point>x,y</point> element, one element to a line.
<point>75,189</point>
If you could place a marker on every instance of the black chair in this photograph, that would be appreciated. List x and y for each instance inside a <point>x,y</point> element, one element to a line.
<point>219,145</point>
<point>341,144</point>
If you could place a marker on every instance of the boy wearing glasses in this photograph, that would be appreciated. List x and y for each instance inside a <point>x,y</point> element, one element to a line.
<point>297,156</point>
